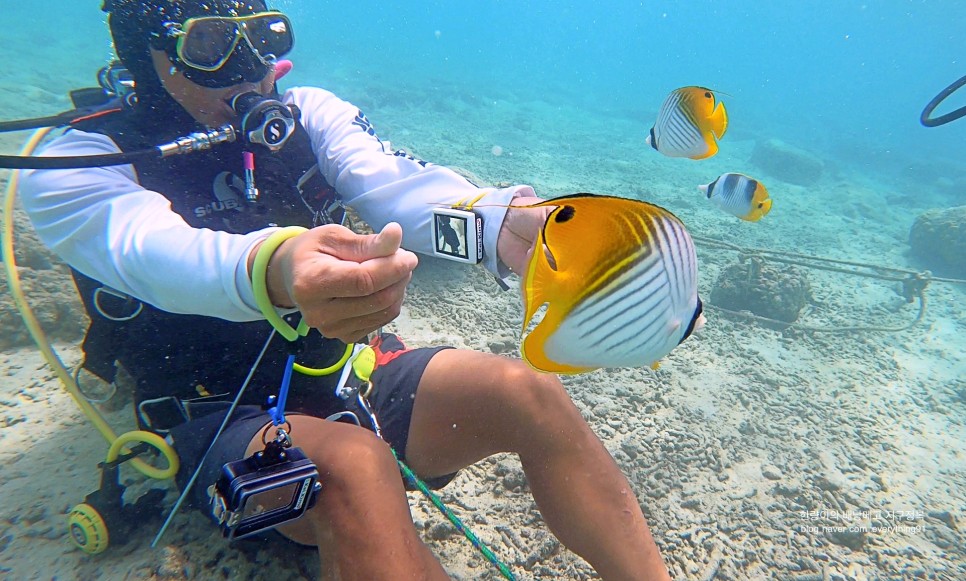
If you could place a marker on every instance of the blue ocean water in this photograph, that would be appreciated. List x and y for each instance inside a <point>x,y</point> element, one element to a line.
<point>851,75</point>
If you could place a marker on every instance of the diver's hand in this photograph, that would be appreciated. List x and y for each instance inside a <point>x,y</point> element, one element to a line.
<point>519,232</point>
<point>346,285</point>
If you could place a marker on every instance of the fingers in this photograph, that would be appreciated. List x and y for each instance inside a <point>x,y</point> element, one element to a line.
<point>350,318</point>
<point>519,231</point>
<point>346,284</point>
<point>514,252</point>
<point>325,275</point>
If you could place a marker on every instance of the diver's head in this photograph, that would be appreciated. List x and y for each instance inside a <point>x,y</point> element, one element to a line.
<point>198,52</point>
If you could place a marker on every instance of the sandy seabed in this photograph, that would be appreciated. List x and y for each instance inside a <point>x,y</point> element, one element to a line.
<point>756,453</point>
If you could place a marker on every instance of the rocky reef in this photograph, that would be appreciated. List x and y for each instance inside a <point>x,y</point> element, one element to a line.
<point>938,241</point>
<point>765,290</point>
<point>47,286</point>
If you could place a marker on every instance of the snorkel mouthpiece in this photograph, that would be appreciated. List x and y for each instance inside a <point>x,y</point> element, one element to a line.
<point>264,120</point>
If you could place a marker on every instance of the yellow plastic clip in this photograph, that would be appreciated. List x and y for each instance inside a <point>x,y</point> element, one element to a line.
<point>364,363</point>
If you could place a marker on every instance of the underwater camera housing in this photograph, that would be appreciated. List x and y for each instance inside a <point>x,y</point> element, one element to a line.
<point>269,488</point>
<point>457,235</point>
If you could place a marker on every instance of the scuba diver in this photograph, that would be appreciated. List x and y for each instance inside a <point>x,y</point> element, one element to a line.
<point>186,263</point>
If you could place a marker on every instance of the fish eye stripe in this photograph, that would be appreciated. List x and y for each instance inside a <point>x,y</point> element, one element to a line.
<point>711,188</point>
<point>634,255</point>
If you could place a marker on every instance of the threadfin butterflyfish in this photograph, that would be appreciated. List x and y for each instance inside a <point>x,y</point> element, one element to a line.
<point>689,124</point>
<point>619,278</point>
<point>739,195</point>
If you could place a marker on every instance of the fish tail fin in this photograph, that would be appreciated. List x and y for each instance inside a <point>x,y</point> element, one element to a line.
<point>766,206</point>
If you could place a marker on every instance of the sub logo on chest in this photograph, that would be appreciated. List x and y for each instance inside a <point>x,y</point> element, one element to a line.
<point>229,191</point>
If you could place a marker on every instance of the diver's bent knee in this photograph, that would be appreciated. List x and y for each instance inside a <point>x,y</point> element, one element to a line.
<point>345,452</point>
<point>533,393</point>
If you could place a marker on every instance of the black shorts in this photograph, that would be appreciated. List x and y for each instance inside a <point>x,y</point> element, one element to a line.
<point>396,379</point>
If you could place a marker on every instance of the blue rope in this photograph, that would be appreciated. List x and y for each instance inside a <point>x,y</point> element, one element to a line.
<point>277,412</point>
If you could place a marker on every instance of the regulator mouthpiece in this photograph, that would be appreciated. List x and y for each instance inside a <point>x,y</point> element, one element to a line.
<point>264,120</point>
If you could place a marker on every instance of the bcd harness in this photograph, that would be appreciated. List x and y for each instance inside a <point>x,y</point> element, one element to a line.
<point>173,370</point>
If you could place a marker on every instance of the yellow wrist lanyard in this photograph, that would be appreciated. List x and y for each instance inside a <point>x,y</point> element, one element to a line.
<point>260,283</point>
<point>260,288</point>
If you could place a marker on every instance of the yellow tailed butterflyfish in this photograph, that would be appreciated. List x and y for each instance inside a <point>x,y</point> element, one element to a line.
<point>739,195</point>
<point>689,124</point>
<point>619,278</point>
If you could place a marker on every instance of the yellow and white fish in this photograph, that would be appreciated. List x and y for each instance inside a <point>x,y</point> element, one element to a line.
<point>689,124</point>
<point>619,278</point>
<point>739,195</point>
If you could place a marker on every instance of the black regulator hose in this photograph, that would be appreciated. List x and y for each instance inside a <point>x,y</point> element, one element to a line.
<point>199,141</point>
<point>264,121</point>
<point>78,161</point>
<point>51,121</point>
<point>929,121</point>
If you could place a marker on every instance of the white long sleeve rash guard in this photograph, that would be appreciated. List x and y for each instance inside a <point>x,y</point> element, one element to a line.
<point>106,225</point>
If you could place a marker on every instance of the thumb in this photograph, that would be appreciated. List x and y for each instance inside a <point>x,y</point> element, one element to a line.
<point>359,248</point>
<point>387,241</point>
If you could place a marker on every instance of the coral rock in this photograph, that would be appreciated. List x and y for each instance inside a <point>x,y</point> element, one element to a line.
<point>938,241</point>
<point>765,290</point>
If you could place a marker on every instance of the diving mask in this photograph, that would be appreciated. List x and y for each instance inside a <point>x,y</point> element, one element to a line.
<point>212,54</point>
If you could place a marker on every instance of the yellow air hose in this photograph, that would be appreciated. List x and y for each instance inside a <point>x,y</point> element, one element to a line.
<point>33,326</point>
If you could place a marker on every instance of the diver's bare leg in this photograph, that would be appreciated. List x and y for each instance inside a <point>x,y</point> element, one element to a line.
<point>471,405</point>
<point>361,522</point>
